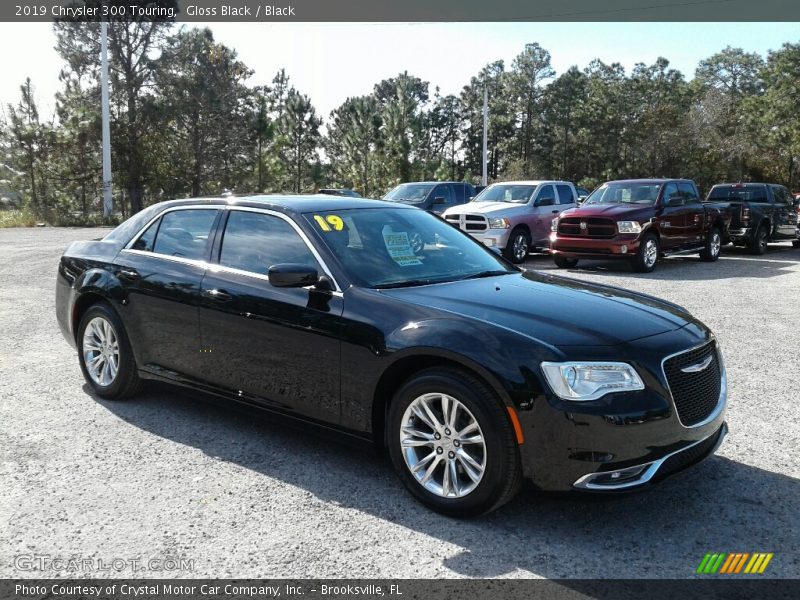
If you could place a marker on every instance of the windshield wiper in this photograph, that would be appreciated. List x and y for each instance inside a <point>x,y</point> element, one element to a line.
<point>407,283</point>
<point>482,274</point>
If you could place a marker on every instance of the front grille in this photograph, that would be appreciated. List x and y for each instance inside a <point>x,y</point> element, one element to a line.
<point>695,394</point>
<point>591,227</point>
<point>470,223</point>
<point>681,460</point>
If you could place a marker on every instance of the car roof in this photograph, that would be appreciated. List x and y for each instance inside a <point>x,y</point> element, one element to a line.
<point>744,183</point>
<point>430,182</point>
<point>300,203</point>
<point>531,182</point>
<point>658,180</point>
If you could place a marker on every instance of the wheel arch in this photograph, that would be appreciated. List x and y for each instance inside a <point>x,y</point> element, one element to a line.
<point>404,367</point>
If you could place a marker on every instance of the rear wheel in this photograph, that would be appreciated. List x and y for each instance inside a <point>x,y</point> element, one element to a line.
<point>518,247</point>
<point>564,262</point>
<point>452,444</point>
<point>713,245</point>
<point>647,255</point>
<point>758,244</point>
<point>105,354</point>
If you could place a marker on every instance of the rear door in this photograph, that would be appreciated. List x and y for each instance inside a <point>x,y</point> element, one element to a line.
<point>161,271</point>
<point>784,216</point>
<point>545,209</point>
<point>275,346</point>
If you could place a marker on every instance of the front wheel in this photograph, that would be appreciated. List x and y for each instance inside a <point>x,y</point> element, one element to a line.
<point>713,244</point>
<point>518,247</point>
<point>452,444</point>
<point>647,255</point>
<point>105,354</point>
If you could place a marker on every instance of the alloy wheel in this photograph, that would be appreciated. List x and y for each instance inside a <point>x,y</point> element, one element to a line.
<point>716,244</point>
<point>650,253</point>
<point>520,247</point>
<point>443,445</point>
<point>101,351</point>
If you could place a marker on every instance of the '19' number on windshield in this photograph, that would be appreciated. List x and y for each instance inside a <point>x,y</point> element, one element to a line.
<point>329,223</point>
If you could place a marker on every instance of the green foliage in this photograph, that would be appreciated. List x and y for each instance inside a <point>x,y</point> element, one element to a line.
<point>187,120</point>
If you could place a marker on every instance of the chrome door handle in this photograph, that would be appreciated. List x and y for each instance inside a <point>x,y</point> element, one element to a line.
<point>217,295</point>
<point>128,274</point>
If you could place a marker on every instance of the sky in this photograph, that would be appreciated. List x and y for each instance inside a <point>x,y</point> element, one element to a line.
<point>332,61</point>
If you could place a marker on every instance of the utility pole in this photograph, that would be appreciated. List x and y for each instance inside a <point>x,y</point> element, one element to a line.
<point>108,203</point>
<point>484,177</point>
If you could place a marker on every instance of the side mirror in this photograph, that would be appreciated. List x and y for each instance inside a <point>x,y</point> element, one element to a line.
<point>581,199</point>
<point>471,198</point>
<point>545,202</point>
<point>675,201</point>
<point>439,200</point>
<point>291,275</point>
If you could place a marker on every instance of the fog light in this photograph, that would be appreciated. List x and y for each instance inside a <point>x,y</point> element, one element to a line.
<point>624,249</point>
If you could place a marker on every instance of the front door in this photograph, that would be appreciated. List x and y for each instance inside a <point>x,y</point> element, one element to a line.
<point>673,216</point>
<point>276,346</point>
<point>545,209</point>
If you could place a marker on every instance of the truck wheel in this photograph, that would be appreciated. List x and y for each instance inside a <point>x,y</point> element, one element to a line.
<point>563,262</point>
<point>713,244</point>
<point>758,243</point>
<point>647,255</point>
<point>518,247</point>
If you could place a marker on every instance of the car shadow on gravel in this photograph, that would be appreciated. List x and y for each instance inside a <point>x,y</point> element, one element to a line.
<point>720,505</point>
<point>733,263</point>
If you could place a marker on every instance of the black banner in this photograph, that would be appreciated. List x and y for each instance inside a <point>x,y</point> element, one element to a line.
<point>271,11</point>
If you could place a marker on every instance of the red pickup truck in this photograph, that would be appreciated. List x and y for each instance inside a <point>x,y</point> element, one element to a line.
<point>640,220</point>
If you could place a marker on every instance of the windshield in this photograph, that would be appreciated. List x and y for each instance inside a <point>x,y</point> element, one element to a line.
<point>625,193</point>
<point>397,247</point>
<point>409,193</point>
<point>500,192</point>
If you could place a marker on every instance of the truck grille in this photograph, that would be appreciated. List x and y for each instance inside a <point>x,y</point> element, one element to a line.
<point>468,223</point>
<point>696,393</point>
<point>601,229</point>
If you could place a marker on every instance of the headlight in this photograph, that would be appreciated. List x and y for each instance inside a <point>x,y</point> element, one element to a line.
<point>498,223</point>
<point>554,225</point>
<point>629,226</point>
<point>582,381</point>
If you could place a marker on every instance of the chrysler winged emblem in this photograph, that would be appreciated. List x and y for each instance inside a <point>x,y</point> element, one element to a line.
<point>696,368</point>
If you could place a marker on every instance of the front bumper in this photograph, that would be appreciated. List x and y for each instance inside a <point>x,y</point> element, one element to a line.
<point>493,238</point>
<point>638,435</point>
<point>624,245</point>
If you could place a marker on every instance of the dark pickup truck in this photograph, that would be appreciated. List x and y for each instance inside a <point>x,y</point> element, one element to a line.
<point>760,213</point>
<point>640,220</point>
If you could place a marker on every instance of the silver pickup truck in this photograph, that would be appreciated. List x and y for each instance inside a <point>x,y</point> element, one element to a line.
<point>514,216</point>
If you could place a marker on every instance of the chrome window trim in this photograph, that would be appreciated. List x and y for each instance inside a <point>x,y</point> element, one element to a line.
<point>216,267</point>
<point>723,388</point>
<point>585,482</point>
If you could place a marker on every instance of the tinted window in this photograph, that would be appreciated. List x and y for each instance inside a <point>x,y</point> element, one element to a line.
<point>254,242</point>
<point>409,193</point>
<point>781,195</point>
<point>740,192</point>
<point>148,238</point>
<point>546,197</point>
<point>460,193</point>
<point>565,194</point>
<point>687,190</point>
<point>443,191</point>
<point>184,233</point>
<point>670,192</point>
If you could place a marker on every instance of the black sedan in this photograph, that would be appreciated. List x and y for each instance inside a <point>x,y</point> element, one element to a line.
<point>472,373</point>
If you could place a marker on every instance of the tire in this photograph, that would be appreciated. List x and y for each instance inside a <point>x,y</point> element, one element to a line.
<point>758,244</point>
<point>713,246</point>
<point>647,255</point>
<point>564,262</point>
<point>96,323</point>
<point>518,246</point>
<point>497,454</point>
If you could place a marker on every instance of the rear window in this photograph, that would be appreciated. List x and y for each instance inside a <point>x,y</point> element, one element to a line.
<point>741,193</point>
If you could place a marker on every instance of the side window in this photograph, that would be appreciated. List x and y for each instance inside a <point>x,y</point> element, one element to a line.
<point>670,191</point>
<point>184,233</point>
<point>546,196</point>
<point>254,242</point>
<point>687,190</point>
<point>460,193</point>
<point>443,191</point>
<point>781,195</point>
<point>148,238</point>
<point>565,195</point>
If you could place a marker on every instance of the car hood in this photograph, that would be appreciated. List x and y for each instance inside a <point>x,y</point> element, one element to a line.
<point>488,208</point>
<point>555,310</point>
<point>612,211</point>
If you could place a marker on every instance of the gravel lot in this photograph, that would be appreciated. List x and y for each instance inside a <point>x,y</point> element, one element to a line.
<point>165,476</point>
